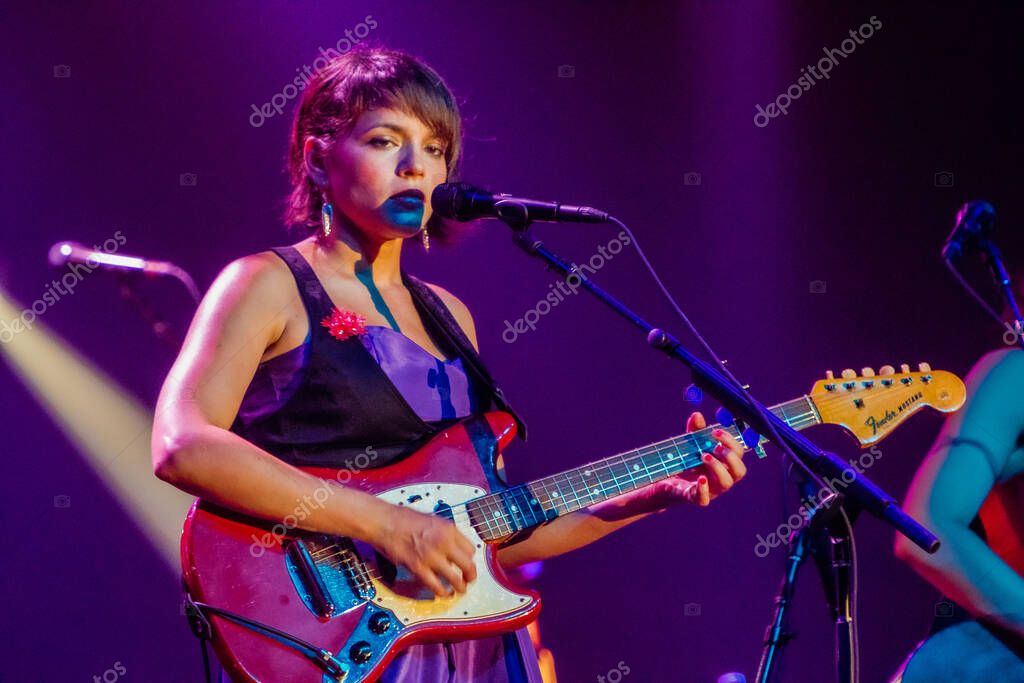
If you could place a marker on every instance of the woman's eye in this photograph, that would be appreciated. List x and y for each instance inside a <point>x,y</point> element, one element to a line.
<point>436,150</point>
<point>380,142</point>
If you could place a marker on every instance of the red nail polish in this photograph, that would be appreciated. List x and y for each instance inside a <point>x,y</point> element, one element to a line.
<point>706,457</point>
<point>717,432</point>
<point>703,481</point>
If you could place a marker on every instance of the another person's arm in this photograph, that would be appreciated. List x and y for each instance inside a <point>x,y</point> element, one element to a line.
<point>969,457</point>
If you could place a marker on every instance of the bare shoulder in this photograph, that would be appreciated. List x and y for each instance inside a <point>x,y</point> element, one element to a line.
<point>1009,360</point>
<point>263,269</point>
<point>459,310</point>
<point>255,291</point>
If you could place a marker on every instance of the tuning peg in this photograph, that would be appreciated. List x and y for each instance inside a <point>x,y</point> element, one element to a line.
<point>723,417</point>
<point>904,368</point>
<point>849,373</point>
<point>924,367</point>
<point>829,374</point>
<point>887,370</point>
<point>867,372</point>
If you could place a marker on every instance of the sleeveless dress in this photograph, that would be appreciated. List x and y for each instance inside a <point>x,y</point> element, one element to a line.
<point>324,402</point>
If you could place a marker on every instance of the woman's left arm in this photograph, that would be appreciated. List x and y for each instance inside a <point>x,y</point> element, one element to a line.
<point>699,486</point>
<point>719,472</point>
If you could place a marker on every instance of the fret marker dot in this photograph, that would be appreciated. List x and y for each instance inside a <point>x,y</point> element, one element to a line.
<point>587,472</point>
<point>497,514</point>
<point>636,467</point>
<point>554,494</point>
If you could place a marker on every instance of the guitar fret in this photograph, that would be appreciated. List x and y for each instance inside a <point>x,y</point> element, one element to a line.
<point>527,505</point>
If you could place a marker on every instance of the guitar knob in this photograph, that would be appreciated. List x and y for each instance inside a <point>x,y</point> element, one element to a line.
<point>361,652</point>
<point>380,623</point>
<point>924,367</point>
<point>867,372</point>
<point>848,373</point>
<point>904,368</point>
<point>829,374</point>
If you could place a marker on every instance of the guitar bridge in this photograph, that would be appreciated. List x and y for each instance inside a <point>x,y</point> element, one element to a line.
<point>328,574</point>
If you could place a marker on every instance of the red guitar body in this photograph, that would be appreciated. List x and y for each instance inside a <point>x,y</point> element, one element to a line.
<point>337,594</point>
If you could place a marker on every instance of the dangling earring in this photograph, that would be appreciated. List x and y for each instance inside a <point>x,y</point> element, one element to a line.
<point>326,216</point>
<point>425,236</point>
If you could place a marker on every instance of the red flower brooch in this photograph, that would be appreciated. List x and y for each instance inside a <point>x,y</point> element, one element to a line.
<point>344,324</point>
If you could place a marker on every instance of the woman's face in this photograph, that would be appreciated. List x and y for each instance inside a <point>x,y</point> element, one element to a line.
<point>381,174</point>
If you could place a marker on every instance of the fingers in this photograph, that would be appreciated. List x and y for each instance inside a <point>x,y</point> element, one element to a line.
<point>695,422</point>
<point>718,473</point>
<point>429,579</point>
<point>730,452</point>
<point>452,573</point>
<point>699,492</point>
<point>462,558</point>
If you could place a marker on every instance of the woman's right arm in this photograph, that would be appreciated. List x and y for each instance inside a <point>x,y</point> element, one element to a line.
<point>245,311</point>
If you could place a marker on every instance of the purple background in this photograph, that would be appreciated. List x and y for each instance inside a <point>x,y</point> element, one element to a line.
<point>843,190</point>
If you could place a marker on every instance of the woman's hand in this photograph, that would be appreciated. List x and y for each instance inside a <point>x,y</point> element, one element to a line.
<point>430,547</point>
<point>699,486</point>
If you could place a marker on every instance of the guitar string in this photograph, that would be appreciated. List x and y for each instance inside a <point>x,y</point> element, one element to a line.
<point>688,461</point>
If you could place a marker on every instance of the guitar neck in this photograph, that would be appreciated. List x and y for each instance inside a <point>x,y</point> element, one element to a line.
<point>503,513</point>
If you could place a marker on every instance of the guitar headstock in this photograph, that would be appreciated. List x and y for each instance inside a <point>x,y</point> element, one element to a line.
<point>871,405</point>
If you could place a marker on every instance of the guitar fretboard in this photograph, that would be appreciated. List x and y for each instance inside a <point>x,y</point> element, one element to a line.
<point>498,515</point>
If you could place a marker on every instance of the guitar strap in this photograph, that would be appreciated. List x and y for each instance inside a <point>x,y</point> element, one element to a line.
<point>437,313</point>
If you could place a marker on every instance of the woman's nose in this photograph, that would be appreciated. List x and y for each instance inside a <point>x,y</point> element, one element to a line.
<point>411,164</point>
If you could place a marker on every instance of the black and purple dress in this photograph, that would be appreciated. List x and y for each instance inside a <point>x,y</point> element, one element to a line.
<point>324,402</point>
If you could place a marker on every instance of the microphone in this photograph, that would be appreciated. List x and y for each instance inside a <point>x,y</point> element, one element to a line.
<point>72,252</point>
<point>974,224</point>
<point>63,253</point>
<point>464,202</point>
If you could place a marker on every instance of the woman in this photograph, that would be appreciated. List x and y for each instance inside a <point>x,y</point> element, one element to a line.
<point>262,386</point>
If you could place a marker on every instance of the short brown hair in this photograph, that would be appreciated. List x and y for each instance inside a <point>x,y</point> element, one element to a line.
<point>353,83</point>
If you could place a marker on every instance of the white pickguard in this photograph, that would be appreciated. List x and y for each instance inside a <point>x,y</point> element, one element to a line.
<point>484,597</point>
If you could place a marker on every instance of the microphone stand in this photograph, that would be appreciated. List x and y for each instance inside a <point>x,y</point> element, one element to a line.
<point>814,460</point>
<point>995,264</point>
<point>161,327</point>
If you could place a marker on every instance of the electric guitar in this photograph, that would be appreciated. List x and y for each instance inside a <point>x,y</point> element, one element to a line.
<point>289,605</point>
